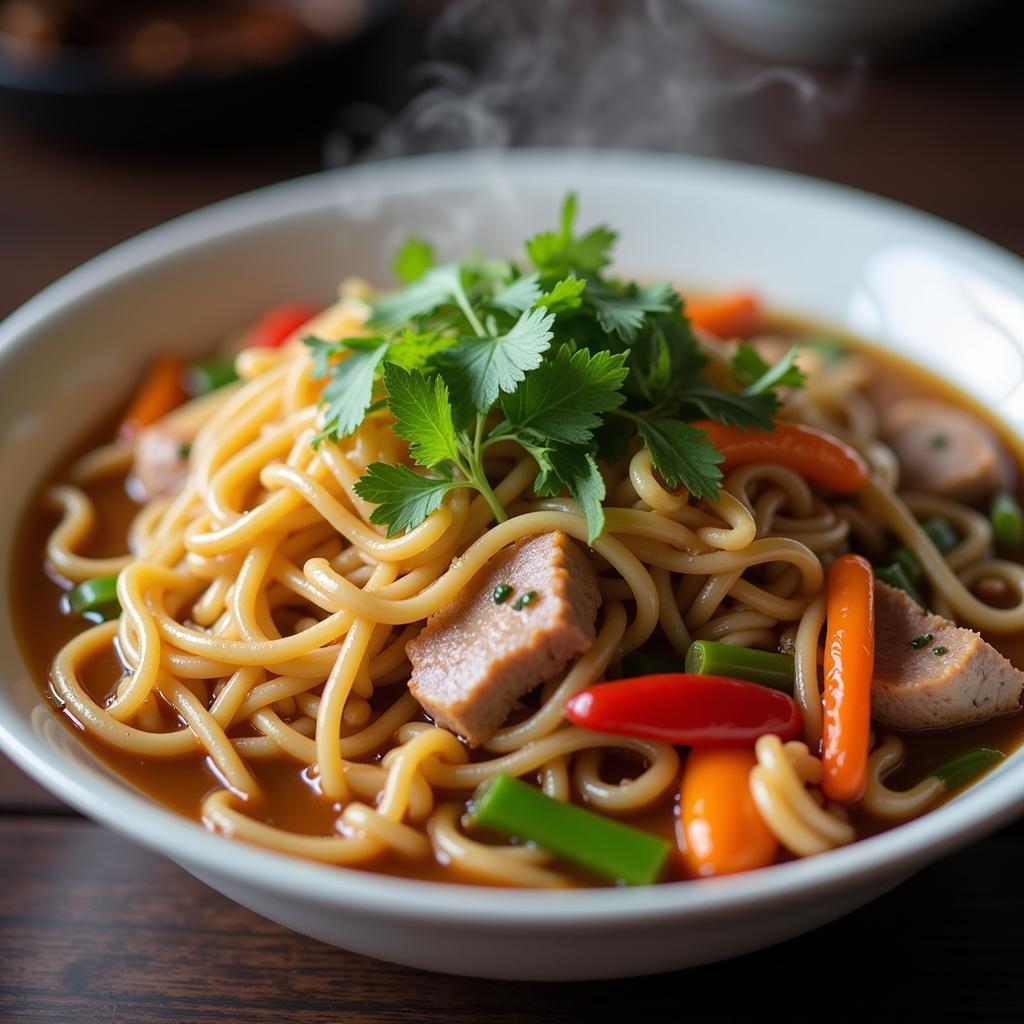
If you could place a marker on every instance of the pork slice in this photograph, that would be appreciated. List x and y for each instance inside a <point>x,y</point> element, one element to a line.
<point>917,688</point>
<point>160,466</point>
<point>476,657</point>
<point>944,450</point>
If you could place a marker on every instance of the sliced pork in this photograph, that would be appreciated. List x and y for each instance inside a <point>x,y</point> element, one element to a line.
<point>931,673</point>
<point>476,657</point>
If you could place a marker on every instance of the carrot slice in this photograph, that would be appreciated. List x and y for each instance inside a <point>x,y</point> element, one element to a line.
<point>727,316</point>
<point>820,457</point>
<point>720,829</point>
<point>161,391</point>
<point>849,667</point>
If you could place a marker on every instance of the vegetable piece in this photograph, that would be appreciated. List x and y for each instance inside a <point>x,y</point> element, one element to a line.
<point>959,770</point>
<point>1007,519</point>
<point>905,572</point>
<point>687,710</point>
<point>818,456</point>
<point>849,666</point>
<point>95,599</point>
<point>209,375</point>
<point>610,848</point>
<point>707,658</point>
<point>941,533</point>
<point>161,391</point>
<point>277,325</point>
<point>721,829</point>
<point>727,316</point>
<point>894,575</point>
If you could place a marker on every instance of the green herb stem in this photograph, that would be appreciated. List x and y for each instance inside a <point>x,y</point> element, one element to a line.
<point>707,658</point>
<point>967,766</point>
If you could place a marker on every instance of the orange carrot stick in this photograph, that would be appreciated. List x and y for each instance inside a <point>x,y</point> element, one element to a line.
<point>162,391</point>
<point>721,829</point>
<point>849,667</point>
<point>820,457</point>
<point>727,316</point>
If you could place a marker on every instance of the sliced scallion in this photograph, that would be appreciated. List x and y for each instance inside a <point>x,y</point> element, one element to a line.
<point>95,599</point>
<point>606,847</point>
<point>708,658</point>
<point>1007,518</point>
<point>967,766</point>
<point>894,576</point>
<point>209,375</point>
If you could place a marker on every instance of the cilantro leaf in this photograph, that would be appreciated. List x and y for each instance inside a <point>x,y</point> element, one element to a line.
<point>481,368</point>
<point>744,411</point>
<point>404,498</point>
<point>579,471</point>
<point>349,392</point>
<point>414,350</point>
<point>413,260</point>
<point>624,312</point>
<point>439,286</point>
<point>563,397</point>
<point>758,375</point>
<point>423,414</point>
<point>558,254</point>
<point>682,455</point>
<point>563,295</point>
<point>518,296</point>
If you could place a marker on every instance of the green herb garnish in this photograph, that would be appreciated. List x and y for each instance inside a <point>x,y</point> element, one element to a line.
<point>555,355</point>
<point>939,651</point>
<point>502,592</point>
<point>527,599</point>
<point>921,641</point>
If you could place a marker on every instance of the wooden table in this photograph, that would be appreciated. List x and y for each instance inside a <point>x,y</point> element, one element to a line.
<point>94,929</point>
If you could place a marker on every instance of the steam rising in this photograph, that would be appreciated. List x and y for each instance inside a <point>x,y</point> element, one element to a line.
<point>584,73</point>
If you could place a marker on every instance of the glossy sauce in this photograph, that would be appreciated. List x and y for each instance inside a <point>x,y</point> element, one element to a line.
<point>292,801</point>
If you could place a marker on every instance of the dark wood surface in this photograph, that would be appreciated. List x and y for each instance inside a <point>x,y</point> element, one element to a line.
<point>94,929</point>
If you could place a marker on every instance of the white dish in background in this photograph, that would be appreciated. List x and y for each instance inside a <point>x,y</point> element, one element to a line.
<point>826,32</point>
<point>913,283</point>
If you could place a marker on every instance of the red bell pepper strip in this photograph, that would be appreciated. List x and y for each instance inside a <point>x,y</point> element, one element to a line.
<point>720,829</point>
<point>849,667</point>
<point>277,325</point>
<point>820,457</point>
<point>687,710</point>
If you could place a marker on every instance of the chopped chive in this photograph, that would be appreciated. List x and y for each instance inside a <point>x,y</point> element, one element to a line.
<point>907,561</point>
<point>184,450</point>
<point>939,441</point>
<point>941,533</point>
<point>894,576</point>
<point>502,592</point>
<point>209,375</point>
<point>967,766</point>
<point>521,602</point>
<point>643,663</point>
<point>707,658</point>
<point>1007,518</point>
<point>939,651</point>
<point>921,641</point>
<point>610,848</point>
<point>95,599</point>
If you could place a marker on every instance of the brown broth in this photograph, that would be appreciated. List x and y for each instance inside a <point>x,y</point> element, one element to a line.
<point>292,801</point>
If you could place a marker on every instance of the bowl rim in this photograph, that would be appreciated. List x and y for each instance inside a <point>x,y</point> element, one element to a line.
<point>978,810</point>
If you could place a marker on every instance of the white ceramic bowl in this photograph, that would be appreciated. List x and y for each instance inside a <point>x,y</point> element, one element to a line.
<point>920,286</point>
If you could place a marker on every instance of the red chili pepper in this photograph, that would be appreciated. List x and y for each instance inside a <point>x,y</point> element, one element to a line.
<point>277,325</point>
<point>687,710</point>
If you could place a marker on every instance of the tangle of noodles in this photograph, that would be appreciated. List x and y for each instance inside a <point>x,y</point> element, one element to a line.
<point>265,619</point>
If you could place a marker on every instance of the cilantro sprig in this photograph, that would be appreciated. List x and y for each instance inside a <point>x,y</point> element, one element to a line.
<point>558,356</point>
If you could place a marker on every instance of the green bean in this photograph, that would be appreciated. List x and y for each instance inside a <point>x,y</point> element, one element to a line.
<point>1007,520</point>
<point>610,848</point>
<point>967,766</point>
<point>707,658</point>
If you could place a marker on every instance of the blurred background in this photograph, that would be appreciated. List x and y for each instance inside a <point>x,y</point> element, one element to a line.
<point>116,115</point>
